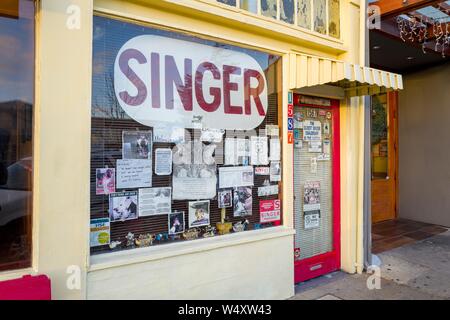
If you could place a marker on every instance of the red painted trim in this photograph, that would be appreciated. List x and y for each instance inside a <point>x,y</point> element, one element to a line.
<point>330,261</point>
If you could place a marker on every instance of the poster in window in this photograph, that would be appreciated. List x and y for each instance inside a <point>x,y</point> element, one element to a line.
<point>199,213</point>
<point>105,181</point>
<point>100,232</point>
<point>230,177</point>
<point>123,206</point>
<point>168,134</point>
<point>194,181</point>
<point>176,222</point>
<point>269,210</point>
<point>275,171</point>
<point>137,145</point>
<point>275,150</point>
<point>312,130</point>
<point>259,150</point>
<point>163,161</point>
<point>225,198</point>
<point>134,173</point>
<point>243,201</point>
<point>311,204</point>
<point>155,201</point>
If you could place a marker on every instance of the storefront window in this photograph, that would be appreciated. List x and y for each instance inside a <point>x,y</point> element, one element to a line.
<point>250,5</point>
<point>380,163</point>
<point>185,138</point>
<point>334,18</point>
<point>16,128</point>
<point>320,16</point>
<point>304,13</point>
<point>269,8</point>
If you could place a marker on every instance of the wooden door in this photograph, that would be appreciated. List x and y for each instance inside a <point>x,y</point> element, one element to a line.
<point>384,156</point>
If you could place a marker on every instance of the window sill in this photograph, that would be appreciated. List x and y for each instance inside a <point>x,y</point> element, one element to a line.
<point>16,274</point>
<point>133,256</point>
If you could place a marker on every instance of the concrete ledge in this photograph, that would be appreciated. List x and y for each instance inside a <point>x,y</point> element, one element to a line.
<point>133,256</point>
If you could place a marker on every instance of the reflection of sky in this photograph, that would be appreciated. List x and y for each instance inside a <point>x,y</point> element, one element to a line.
<point>17,55</point>
<point>109,37</point>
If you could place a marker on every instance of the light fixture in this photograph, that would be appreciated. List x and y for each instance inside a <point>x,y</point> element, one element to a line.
<point>410,58</point>
<point>376,47</point>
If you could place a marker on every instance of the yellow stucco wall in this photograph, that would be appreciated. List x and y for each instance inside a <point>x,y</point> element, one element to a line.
<point>62,138</point>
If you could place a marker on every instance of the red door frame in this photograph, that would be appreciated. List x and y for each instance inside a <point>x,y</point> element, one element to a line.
<point>330,261</point>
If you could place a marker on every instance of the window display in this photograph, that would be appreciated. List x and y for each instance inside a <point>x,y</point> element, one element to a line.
<point>179,126</point>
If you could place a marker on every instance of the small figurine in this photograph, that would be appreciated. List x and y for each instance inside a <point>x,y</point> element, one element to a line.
<point>191,234</point>
<point>130,239</point>
<point>144,240</point>
<point>240,226</point>
<point>209,232</point>
<point>114,244</point>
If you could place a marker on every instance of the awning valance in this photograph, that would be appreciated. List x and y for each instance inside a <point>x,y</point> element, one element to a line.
<point>355,80</point>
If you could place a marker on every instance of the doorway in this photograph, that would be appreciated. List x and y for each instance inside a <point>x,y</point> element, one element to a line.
<point>384,153</point>
<point>316,187</point>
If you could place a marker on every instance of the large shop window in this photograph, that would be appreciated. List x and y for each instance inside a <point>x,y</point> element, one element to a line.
<point>16,123</point>
<point>185,138</point>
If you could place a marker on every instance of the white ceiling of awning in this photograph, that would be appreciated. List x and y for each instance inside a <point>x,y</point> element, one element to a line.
<point>355,80</point>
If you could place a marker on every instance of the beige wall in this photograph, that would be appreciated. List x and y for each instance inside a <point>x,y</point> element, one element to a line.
<point>424,146</point>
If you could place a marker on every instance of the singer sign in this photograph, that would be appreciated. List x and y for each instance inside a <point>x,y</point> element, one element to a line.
<point>159,79</point>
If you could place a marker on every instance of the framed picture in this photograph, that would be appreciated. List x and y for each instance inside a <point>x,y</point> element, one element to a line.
<point>242,202</point>
<point>225,198</point>
<point>199,213</point>
<point>176,222</point>
<point>123,206</point>
<point>137,144</point>
<point>105,181</point>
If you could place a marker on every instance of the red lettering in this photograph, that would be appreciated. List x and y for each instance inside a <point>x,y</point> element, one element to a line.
<point>213,91</point>
<point>253,92</point>
<point>173,77</point>
<point>124,66</point>
<point>155,73</point>
<point>229,86</point>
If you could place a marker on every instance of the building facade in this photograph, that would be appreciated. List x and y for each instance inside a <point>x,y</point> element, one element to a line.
<point>114,82</point>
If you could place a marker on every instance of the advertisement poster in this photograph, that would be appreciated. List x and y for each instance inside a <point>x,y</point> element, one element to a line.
<point>237,151</point>
<point>211,135</point>
<point>134,173</point>
<point>163,161</point>
<point>225,198</point>
<point>176,222</point>
<point>198,213</point>
<point>230,177</point>
<point>194,181</point>
<point>262,171</point>
<point>275,171</point>
<point>312,130</point>
<point>168,134</point>
<point>243,201</point>
<point>105,181</point>
<point>311,204</point>
<point>272,130</point>
<point>155,201</point>
<point>275,150</point>
<point>315,146</point>
<point>136,144</point>
<point>268,190</point>
<point>269,210</point>
<point>123,206</point>
<point>259,151</point>
<point>100,232</point>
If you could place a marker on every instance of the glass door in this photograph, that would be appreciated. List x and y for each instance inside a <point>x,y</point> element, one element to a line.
<point>316,186</point>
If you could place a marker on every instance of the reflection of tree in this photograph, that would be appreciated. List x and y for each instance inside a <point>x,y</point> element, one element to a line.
<point>379,125</point>
<point>108,106</point>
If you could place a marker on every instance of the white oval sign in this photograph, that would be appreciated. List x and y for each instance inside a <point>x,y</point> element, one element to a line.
<point>159,79</point>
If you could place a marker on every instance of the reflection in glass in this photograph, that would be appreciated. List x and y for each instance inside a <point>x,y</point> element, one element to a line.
<point>334,19</point>
<point>287,11</point>
<point>16,119</point>
<point>229,2</point>
<point>380,137</point>
<point>304,13</point>
<point>269,8</point>
<point>320,16</point>
<point>250,5</point>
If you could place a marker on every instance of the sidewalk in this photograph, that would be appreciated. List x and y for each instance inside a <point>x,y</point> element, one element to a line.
<point>420,270</point>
